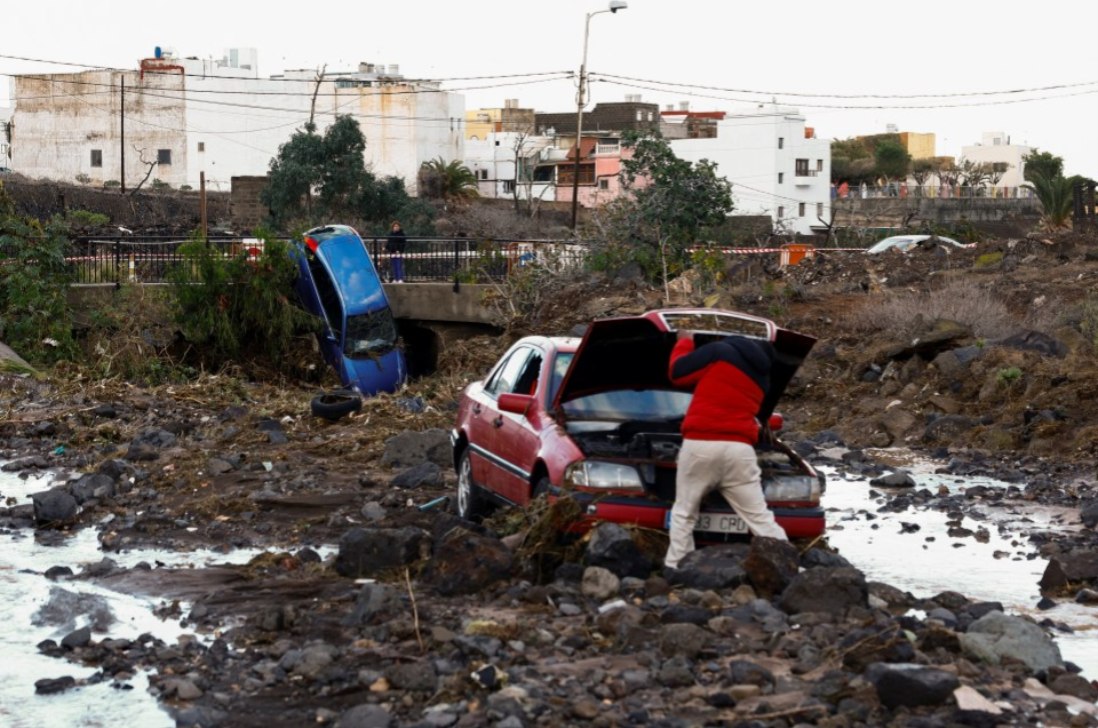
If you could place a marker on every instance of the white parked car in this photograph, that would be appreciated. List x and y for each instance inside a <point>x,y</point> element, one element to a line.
<point>904,243</point>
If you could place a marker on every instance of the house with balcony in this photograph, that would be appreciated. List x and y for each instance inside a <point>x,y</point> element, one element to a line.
<point>775,162</point>
<point>995,147</point>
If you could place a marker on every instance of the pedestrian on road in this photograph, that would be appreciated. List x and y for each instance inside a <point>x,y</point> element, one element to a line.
<point>394,246</point>
<point>731,377</point>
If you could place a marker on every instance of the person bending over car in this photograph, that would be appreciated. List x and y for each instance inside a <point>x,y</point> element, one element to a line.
<point>730,378</point>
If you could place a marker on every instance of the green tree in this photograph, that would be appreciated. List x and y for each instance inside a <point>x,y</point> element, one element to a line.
<point>922,170</point>
<point>319,179</point>
<point>891,160</point>
<point>448,181</point>
<point>237,308</point>
<point>1046,165</point>
<point>35,317</point>
<point>670,203</point>
<point>1055,195</point>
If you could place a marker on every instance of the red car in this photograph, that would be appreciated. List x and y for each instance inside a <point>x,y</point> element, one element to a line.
<point>599,419</point>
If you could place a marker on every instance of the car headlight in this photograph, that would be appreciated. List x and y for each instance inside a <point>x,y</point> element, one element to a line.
<point>599,474</point>
<point>789,488</point>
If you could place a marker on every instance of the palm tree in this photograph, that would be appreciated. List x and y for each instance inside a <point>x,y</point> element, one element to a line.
<point>443,180</point>
<point>1055,196</point>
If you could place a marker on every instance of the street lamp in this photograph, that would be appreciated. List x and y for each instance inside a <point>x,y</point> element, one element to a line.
<point>615,6</point>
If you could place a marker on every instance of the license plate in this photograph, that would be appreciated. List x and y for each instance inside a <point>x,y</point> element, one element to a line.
<point>715,523</point>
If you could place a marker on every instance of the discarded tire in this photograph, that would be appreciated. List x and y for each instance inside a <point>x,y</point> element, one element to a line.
<point>336,405</point>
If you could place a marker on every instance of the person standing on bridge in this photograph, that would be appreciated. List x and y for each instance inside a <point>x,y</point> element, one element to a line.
<point>394,246</point>
<point>730,377</point>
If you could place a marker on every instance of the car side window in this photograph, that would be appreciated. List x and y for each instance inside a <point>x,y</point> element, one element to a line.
<point>508,374</point>
<point>329,299</point>
<point>527,382</point>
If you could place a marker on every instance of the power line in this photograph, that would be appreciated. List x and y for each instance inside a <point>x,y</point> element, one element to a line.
<point>854,107</point>
<point>1052,87</point>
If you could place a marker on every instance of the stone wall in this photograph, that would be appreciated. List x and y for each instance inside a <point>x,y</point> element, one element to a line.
<point>1010,217</point>
<point>246,210</point>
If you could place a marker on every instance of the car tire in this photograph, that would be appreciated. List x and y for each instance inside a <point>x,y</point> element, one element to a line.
<point>336,405</point>
<point>470,501</point>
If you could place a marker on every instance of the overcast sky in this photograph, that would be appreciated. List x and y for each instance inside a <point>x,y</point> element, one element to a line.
<point>844,51</point>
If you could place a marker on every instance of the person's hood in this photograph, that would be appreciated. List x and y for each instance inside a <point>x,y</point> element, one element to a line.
<point>633,353</point>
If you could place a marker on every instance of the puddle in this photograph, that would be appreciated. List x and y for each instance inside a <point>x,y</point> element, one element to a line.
<point>926,562</point>
<point>23,591</point>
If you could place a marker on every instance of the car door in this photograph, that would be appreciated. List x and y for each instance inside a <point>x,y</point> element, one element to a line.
<point>499,473</point>
<point>517,437</point>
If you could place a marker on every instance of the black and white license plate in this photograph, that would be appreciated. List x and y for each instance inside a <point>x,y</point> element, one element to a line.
<point>715,523</point>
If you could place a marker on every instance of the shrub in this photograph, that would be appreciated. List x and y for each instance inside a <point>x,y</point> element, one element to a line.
<point>1008,375</point>
<point>904,312</point>
<point>86,218</point>
<point>111,184</point>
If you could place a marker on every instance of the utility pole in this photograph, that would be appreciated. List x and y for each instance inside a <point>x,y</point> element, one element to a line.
<point>122,114</point>
<point>202,206</point>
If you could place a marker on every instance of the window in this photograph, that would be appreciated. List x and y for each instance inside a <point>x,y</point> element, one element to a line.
<point>640,115</point>
<point>202,146</point>
<point>163,156</point>
<point>781,177</point>
<point>508,186</point>
<point>819,165</point>
<point>781,212</point>
<point>497,142</point>
<point>97,158</point>
<point>781,142</point>
<point>507,375</point>
<point>800,209</point>
<point>820,210</point>
<point>482,173</point>
<point>802,168</point>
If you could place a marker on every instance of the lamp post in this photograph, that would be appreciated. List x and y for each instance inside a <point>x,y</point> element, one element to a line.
<point>581,101</point>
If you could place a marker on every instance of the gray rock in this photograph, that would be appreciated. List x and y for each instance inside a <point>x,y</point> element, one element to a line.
<point>465,562</point>
<point>1080,565</point>
<point>412,448</point>
<point>54,506</point>
<point>947,428</point>
<point>675,673</point>
<point>599,583</point>
<point>63,607</point>
<point>745,672</point>
<point>612,547</point>
<point>77,638</point>
<point>713,567</point>
<point>200,716</point>
<point>771,565</point>
<point>1088,513</point>
<point>1035,341</point>
<point>911,685</point>
<point>218,466</point>
<point>825,590</point>
<point>182,688</point>
<point>374,603</point>
<point>92,485</point>
<point>898,479</point>
<point>369,552</point>
<point>683,639</point>
<point>996,636</point>
<point>417,675</point>
<point>417,476</point>
<point>1075,685</point>
<point>52,686</point>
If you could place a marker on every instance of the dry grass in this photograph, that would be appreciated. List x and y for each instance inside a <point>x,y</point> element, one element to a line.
<point>903,313</point>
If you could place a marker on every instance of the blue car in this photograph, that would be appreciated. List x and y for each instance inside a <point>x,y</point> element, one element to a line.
<point>338,282</point>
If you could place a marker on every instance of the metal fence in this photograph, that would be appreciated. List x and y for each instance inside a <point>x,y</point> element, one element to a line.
<point>148,259</point>
<point>903,190</point>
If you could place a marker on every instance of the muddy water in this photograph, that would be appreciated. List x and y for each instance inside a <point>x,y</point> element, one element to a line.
<point>928,561</point>
<point>23,591</point>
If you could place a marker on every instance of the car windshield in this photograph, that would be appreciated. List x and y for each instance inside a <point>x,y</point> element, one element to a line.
<point>655,405</point>
<point>370,333</point>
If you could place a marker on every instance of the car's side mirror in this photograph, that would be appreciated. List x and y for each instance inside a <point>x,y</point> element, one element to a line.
<point>776,422</point>
<point>518,404</point>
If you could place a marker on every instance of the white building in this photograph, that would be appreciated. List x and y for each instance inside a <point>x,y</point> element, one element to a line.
<point>186,116</point>
<point>495,159</point>
<point>995,147</point>
<point>5,136</point>
<point>775,163</point>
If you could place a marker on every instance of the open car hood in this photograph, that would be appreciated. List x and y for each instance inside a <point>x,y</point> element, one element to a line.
<point>633,353</point>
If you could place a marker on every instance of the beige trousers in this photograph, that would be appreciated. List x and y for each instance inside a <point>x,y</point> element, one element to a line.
<point>733,469</point>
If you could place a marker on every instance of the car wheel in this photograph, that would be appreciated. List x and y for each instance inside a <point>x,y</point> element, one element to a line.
<point>336,405</point>
<point>471,504</point>
<point>541,488</point>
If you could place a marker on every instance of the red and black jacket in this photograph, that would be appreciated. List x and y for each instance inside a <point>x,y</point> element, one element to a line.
<point>730,379</point>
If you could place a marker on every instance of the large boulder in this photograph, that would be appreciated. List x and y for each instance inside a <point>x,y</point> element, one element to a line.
<point>911,685</point>
<point>92,485</point>
<point>1080,565</point>
<point>612,547</point>
<point>771,565</point>
<point>997,636</point>
<point>713,567</point>
<point>54,506</point>
<point>369,552</point>
<point>825,590</point>
<point>465,562</point>
<point>412,448</point>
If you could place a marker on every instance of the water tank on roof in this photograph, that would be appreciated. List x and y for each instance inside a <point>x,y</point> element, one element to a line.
<point>158,53</point>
